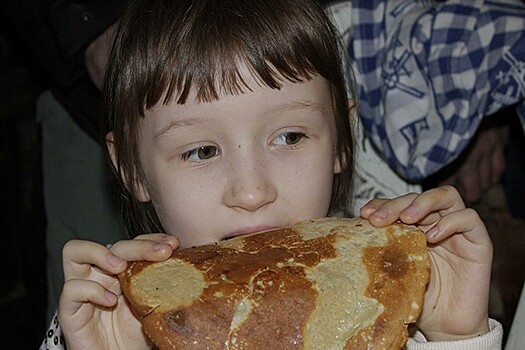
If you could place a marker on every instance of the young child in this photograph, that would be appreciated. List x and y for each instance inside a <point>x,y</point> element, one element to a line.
<point>229,117</point>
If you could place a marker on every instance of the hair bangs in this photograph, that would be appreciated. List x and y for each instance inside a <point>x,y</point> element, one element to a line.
<point>210,46</point>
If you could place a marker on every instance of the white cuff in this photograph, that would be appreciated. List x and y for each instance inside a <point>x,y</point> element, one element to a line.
<point>489,341</point>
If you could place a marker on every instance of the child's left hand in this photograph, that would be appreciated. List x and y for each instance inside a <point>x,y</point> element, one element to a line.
<point>456,301</point>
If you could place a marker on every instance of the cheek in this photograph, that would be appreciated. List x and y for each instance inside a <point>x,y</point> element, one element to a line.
<point>181,202</point>
<point>321,193</point>
<point>309,186</point>
<point>323,180</point>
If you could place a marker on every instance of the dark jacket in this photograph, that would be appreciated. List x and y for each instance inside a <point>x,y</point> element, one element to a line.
<point>55,34</point>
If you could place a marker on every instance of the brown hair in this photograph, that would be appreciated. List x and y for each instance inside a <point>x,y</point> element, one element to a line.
<point>165,48</point>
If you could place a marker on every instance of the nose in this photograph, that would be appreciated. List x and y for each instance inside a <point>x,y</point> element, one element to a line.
<point>250,186</point>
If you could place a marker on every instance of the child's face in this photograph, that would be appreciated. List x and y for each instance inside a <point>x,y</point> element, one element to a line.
<point>240,164</point>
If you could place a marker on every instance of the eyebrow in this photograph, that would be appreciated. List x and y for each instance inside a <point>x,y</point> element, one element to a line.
<point>177,124</point>
<point>301,104</point>
<point>292,105</point>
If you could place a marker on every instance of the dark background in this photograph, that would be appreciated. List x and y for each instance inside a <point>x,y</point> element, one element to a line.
<point>23,283</point>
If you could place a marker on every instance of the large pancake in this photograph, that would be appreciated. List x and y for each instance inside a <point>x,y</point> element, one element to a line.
<point>330,283</point>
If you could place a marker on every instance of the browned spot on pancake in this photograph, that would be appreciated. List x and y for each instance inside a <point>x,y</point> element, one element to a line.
<point>178,321</point>
<point>194,325</point>
<point>276,321</point>
<point>395,263</point>
<point>135,268</point>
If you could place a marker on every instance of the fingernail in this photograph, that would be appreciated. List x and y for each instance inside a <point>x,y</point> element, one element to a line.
<point>168,239</point>
<point>110,296</point>
<point>159,246</point>
<point>411,210</point>
<point>432,232</point>
<point>115,260</point>
<point>381,214</point>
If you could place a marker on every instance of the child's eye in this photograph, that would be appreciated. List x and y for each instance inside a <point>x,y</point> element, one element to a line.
<point>201,153</point>
<point>289,138</point>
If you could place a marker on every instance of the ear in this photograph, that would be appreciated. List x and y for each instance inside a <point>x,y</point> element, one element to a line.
<point>340,162</point>
<point>137,188</point>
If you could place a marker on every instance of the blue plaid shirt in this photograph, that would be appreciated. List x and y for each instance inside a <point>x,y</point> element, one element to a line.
<point>429,71</point>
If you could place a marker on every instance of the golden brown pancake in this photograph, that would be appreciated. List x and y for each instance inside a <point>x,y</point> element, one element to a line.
<point>330,283</point>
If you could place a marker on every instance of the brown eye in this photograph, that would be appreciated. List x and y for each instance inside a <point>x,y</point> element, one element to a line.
<point>289,138</point>
<point>293,137</point>
<point>201,153</point>
<point>207,152</point>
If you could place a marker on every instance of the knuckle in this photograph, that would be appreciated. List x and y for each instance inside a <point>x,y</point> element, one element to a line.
<point>115,246</point>
<point>376,201</point>
<point>142,236</point>
<point>70,244</point>
<point>472,214</point>
<point>69,247</point>
<point>69,287</point>
<point>448,190</point>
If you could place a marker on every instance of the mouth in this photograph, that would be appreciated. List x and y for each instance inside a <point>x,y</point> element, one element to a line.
<point>247,231</point>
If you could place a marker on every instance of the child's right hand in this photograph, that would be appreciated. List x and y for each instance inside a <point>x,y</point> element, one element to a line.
<point>93,313</point>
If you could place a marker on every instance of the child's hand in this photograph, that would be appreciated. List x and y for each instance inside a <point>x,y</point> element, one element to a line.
<point>92,312</point>
<point>456,302</point>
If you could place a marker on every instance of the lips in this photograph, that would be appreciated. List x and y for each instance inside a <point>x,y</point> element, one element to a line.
<point>248,231</point>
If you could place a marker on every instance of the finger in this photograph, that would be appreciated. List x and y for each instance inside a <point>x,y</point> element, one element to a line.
<point>465,222</point>
<point>79,256</point>
<point>110,282</point>
<point>388,212</point>
<point>442,200</point>
<point>78,292</point>
<point>160,237</point>
<point>370,207</point>
<point>146,248</point>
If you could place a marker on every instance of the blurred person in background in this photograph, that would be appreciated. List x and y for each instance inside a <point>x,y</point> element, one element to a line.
<point>70,41</point>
